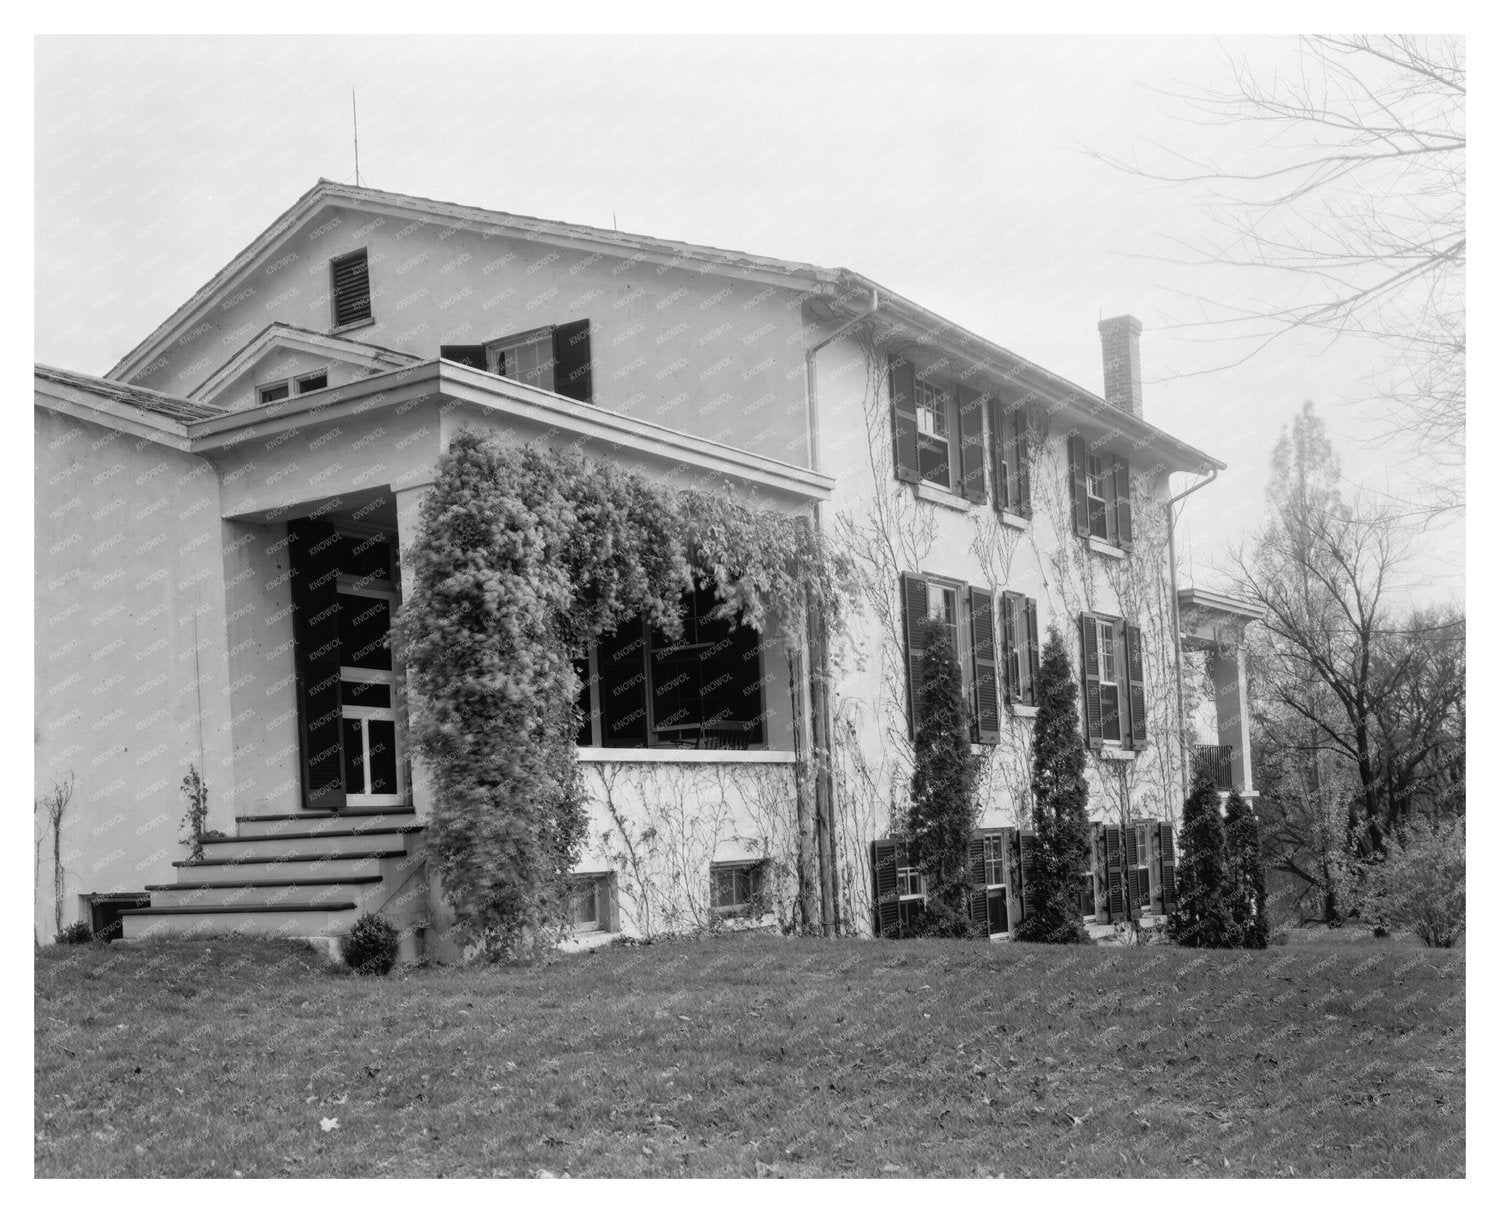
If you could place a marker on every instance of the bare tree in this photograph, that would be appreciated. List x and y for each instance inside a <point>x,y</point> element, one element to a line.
<point>1350,184</point>
<point>51,809</point>
<point>1360,703</point>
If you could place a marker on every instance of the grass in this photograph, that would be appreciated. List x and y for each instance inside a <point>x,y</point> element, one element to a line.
<point>755,1056</point>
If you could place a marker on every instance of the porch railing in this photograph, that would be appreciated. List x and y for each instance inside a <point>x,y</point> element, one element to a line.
<point>1218,762</point>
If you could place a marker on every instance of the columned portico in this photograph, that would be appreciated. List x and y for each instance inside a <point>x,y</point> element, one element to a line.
<point>1215,624</point>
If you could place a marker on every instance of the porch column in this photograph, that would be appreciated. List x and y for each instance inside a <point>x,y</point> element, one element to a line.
<point>408,508</point>
<point>1231,695</point>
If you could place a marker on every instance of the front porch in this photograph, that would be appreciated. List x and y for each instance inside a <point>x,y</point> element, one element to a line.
<point>1213,625</point>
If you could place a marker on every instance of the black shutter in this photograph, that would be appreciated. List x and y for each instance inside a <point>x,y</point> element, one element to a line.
<point>1114,874</point>
<point>313,551</point>
<point>913,611</point>
<point>986,676</point>
<point>1033,660</point>
<point>997,449</point>
<point>1135,665</point>
<point>1168,868</point>
<point>1023,473</point>
<point>904,418</point>
<point>1012,650</point>
<point>468,355</point>
<point>1132,869</point>
<point>1093,721</point>
<point>979,902</point>
<point>351,288</point>
<point>971,443</point>
<point>887,902</point>
<point>1012,853</point>
<point>1027,845</point>
<point>572,366</point>
<point>1078,478</point>
<point>1122,527</point>
<point>622,686</point>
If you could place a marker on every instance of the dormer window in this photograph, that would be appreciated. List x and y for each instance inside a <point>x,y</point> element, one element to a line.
<point>351,289</point>
<point>554,358</point>
<point>297,385</point>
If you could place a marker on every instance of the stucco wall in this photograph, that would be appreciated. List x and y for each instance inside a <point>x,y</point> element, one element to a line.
<point>702,354</point>
<point>888,530</point>
<point>130,661</point>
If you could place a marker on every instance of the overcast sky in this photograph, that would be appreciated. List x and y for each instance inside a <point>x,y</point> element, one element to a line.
<point>954,171</point>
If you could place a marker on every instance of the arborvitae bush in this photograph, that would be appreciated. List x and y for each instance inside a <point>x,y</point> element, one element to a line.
<point>372,945</point>
<point>1060,806</point>
<point>1245,885</point>
<point>1202,918</point>
<point>943,809</point>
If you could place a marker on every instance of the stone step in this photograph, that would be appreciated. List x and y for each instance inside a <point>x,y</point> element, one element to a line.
<point>303,844</point>
<point>262,894</point>
<point>336,867</point>
<point>357,821</point>
<point>291,920</point>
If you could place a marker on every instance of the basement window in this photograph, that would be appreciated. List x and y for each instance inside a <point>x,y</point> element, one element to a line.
<point>351,288</point>
<point>736,889</point>
<point>590,906</point>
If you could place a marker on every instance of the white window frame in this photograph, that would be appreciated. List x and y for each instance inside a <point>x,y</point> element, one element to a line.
<point>995,859</point>
<point>933,400</point>
<point>358,588</point>
<point>1101,505</point>
<point>600,886</point>
<point>292,384</point>
<point>754,872</point>
<point>1109,634</point>
<point>1147,861</point>
<point>540,373</point>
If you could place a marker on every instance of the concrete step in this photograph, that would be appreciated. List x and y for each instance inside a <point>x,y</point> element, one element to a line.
<point>336,867</point>
<point>295,920</point>
<point>308,845</point>
<point>357,821</point>
<point>262,894</point>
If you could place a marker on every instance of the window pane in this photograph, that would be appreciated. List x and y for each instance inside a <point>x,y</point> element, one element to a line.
<point>382,734</point>
<point>366,558</point>
<point>1109,704</point>
<point>354,757</point>
<point>365,694</point>
<point>586,903</point>
<point>269,394</point>
<point>312,383</point>
<point>364,624</point>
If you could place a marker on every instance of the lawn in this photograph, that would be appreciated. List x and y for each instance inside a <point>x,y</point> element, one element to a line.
<point>755,1056</point>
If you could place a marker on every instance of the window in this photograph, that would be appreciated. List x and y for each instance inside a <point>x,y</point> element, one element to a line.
<point>1022,648</point>
<point>589,903</point>
<point>996,892</point>
<point>911,889</point>
<point>701,691</point>
<point>269,393</point>
<point>1138,874</point>
<point>554,358</point>
<point>526,358</point>
<point>1012,473</point>
<point>104,912</point>
<point>351,288</point>
<point>1109,683</point>
<point>1101,493</point>
<point>934,450</point>
<point>736,889</point>
<point>1114,693</point>
<point>968,614</point>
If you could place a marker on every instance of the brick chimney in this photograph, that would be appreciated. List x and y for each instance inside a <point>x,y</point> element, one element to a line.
<point>1121,338</point>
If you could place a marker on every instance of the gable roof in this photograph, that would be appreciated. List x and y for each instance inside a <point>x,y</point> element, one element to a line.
<point>333,193</point>
<point>277,333</point>
<point>839,288</point>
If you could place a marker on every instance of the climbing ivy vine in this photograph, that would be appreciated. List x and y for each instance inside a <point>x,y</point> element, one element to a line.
<point>524,557</point>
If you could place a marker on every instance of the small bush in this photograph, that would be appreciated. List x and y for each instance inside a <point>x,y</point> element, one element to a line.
<point>371,946</point>
<point>78,932</point>
<point>1420,885</point>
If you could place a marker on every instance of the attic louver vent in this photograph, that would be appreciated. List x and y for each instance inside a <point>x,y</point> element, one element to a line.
<point>351,288</point>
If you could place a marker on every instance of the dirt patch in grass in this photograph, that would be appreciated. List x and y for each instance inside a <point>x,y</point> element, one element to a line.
<point>754,1056</point>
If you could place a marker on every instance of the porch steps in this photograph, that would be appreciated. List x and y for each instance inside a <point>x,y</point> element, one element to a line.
<point>302,875</point>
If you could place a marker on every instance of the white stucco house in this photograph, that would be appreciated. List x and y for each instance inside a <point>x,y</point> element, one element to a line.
<point>220,519</point>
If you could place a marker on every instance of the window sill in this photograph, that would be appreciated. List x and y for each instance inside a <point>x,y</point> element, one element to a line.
<point>1019,521</point>
<point>725,757</point>
<point>1114,753</point>
<point>351,326</point>
<point>1024,710</point>
<point>947,498</point>
<point>1105,549</point>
